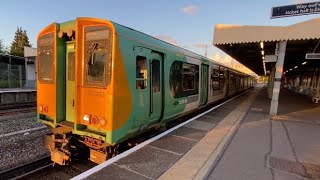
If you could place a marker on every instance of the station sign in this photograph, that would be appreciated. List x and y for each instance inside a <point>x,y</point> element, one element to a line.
<point>313,56</point>
<point>295,10</point>
<point>271,58</point>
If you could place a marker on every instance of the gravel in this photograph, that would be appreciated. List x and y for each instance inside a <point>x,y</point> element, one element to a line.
<point>18,121</point>
<point>18,150</point>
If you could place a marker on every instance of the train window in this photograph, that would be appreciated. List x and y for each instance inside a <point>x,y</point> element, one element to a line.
<point>141,72</point>
<point>215,78</point>
<point>97,55</point>
<point>221,78</point>
<point>156,76</point>
<point>71,61</point>
<point>233,81</point>
<point>46,58</point>
<point>188,77</point>
<point>184,79</point>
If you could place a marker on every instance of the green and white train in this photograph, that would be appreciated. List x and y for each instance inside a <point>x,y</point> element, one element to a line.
<point>101,83</point>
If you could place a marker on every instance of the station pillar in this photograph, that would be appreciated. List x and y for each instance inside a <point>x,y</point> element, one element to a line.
<point>277,77</point>
<point>271,83</point>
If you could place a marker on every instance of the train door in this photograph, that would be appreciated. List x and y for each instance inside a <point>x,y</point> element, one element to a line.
<point>204,84</point>
<point>226,88</point>
<point>70,84</point>
<point>156,64</point>
<point>149,91</point>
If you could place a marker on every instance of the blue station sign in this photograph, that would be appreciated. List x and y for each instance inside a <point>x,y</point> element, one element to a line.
<point>295,10</point>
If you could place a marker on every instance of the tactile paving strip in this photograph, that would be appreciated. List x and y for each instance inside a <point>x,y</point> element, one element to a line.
<point>304,170</point>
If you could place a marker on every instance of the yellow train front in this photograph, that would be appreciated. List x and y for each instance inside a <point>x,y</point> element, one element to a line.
<point>100,83</point>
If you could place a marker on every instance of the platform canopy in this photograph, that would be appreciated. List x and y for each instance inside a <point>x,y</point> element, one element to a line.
<point>243,43</point>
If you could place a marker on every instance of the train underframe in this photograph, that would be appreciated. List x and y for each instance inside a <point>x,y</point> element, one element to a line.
<point>64,146</point>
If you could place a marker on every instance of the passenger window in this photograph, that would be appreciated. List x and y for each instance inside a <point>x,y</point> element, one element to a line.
<point>188,77</point>
<point>184,79</point>
<point>221,78</point>
<point>233,81</point>
<point>215,78</point>
<point>71,66</point>
<point>156,76</point>
<point>141,72</point>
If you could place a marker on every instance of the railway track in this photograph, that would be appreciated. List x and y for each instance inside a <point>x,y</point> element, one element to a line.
<point>26,169</point>
<point>22,108</point>
<point>44,169</point>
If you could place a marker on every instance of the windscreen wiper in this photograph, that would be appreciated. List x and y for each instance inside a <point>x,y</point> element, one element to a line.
<point>89,53</point>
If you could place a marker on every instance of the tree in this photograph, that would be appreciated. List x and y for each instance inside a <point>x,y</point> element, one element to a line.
<point>20,40</point>
<point>1,46</point>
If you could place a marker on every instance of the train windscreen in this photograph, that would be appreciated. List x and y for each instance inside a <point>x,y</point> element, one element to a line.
<point>46,58</point>
<point>97,56</point>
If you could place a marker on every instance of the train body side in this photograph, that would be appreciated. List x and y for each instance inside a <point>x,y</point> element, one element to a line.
<point>134,44</point>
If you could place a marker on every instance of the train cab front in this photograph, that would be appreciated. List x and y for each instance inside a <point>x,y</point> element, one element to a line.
<point>74,86</point>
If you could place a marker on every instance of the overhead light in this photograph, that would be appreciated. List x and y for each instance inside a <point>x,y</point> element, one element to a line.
<point>296,67</point>
<point>286,70</point>
<point>261,45</point>
<point>304,63</point>
<point>262,52</point>
<point>262,57</point>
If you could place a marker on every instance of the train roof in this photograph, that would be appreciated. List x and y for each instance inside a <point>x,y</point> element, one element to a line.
<point>153,41</point>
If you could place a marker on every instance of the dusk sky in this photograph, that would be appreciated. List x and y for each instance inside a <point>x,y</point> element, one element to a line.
<point>188,24</point>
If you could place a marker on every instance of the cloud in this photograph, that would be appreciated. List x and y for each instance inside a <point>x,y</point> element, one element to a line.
<point>190,10</point>
<point>167,39</point>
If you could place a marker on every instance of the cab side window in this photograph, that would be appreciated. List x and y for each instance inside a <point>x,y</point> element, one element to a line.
<point>141,72</point>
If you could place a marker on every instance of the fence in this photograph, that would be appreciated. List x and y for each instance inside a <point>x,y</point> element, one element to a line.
<point>13,72</point>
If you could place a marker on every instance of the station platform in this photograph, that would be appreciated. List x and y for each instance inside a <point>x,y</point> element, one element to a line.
<point>8,90</point>
<point>9,96</point>
<point>238,140</point>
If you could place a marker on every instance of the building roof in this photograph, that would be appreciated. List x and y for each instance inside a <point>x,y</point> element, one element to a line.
<point>242,42</point>
<point>234,34</point>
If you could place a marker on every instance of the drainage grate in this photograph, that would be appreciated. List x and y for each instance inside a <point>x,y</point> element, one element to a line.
<point>305,170</point>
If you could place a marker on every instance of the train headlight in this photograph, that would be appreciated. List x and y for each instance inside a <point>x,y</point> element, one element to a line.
<point>40,108</point>
<point>86,117</point>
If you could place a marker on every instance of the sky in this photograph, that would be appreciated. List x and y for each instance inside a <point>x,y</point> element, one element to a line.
<point>186,23</point>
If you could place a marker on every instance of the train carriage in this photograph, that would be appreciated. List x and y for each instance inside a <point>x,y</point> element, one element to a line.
<point>101,83</point>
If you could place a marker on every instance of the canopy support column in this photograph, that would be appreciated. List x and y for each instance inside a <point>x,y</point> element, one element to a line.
<point>277,80</point>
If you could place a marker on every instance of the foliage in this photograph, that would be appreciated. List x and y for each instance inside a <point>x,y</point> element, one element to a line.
<point>20,40</point>
<point>2,48</point>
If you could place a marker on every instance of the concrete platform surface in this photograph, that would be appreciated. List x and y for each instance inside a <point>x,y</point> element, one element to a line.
<point>287,147</point>
<point>9,90</point>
